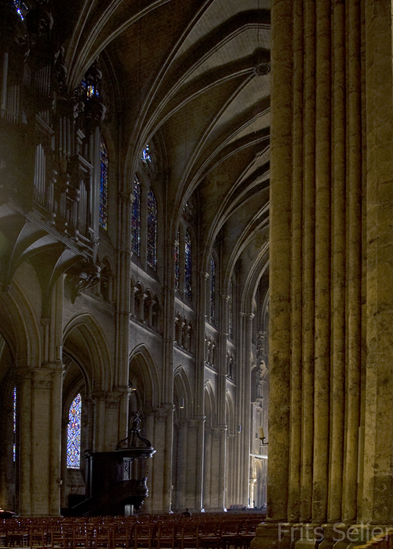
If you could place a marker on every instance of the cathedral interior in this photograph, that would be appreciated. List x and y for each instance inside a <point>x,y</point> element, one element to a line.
<point>194,200</point>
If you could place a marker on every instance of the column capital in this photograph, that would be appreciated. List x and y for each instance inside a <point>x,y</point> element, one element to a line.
<point>250,316</point>
<point>163,412</point>
<point>42,377</point>
<point>98,396</point>
<point>123,389</point>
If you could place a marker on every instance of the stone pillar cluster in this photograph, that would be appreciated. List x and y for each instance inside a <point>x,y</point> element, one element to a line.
<point>331,204</point>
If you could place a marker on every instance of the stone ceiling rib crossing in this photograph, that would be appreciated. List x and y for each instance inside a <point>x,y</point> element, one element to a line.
<point>195,75</point>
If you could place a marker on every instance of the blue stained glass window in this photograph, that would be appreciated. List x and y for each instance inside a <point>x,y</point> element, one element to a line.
<point>21,8</point>
<point>14,418</point>
<point>187,266</point>
<point>177,261</point>
<point>136,218</point>
<point>212,289</point>
<point>146,156</point>
<point>104,187</point>
<point>151,229</point>
<point>74,434</point>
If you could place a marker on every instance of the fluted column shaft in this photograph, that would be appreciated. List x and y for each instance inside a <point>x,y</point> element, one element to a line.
<point>322,264</point>
<point>280,253</point>
<point>378,485</point>
<point>24,463</point>
<point>221,394</point>
<point>123,302</point>
<point>207,492</point>
<point>338,263</point>
<point>182,464</point>
<point>40,438</point>
<point>352,393</point>
<point>316,161</point>
<point>296,264</point>
<point>199,408</point>
<point>308,326</point>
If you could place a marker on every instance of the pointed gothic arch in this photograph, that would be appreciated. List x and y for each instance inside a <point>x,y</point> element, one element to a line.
<point>183,395</point>
<point>210,405</point>
<point>143,369</point>
<point>19,326</point>
<point>84,332</point>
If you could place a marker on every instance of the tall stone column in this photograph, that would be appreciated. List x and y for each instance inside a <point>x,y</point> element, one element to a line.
<point>223,467</point>
<point>193,491</point>
<point>40,416</point>
<point>354,274</point>
<point>123,301</point>
<point>378,480</point>
<point>55,434</point>
<point>40,440</point>
<point>168,459</point>
<point>308,327</point>
<point>230,487</point>
<point>338,244</point>
<point>330,244</point>
<point>124,404</point>
<point>162,466</point>
<point>322,265</point>
<point>198,424</point>
<point>24,462</point>
<point>207,478</point>
<point>279,262</point>
<point>98,404</point>
<point>150,421</point>
<point>221,395</point>
<point>182,464</point>
<point>167,374</point>
<point>215,502</point>
<point>296,265</point>
<point>245,399</point>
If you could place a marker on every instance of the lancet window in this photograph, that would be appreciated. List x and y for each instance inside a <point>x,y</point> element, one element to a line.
<point>21,8</point>
<point>151,229</point>
<point>146,156</point>
<point>104,187</point>
<point>187,266</point>
<point>136,218</point>
<point>74,433</point>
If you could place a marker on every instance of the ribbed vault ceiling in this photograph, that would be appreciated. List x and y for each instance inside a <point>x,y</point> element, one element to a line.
<point>195,75</point>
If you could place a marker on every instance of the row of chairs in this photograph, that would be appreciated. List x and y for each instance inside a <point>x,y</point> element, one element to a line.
<point>176,532</point>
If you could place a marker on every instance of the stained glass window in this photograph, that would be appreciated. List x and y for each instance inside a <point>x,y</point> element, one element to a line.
<point>14,418</point>
<point>89,87</point>
<point>212,289</point>
<point>136,218</point>
<point>74,434</point>
<point>187,266</point>
<point>151,229</point>
<point>21,8</point>
<point>230,304</point>
<point>146,156</point>
<point>177,261</point>
<point>104,187</point>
